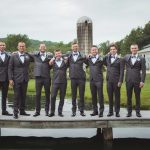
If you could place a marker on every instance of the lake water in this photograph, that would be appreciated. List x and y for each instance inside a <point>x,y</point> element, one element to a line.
<point>73,138</point>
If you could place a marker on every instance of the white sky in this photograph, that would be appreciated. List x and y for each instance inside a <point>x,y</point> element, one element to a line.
<point>55,20</point>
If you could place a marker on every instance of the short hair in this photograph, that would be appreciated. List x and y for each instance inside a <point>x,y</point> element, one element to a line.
<point>57,50</point>
<point>113,45</point>
<point>2,43</point>
<point>133,44</point>
<point>74,42</point>
<point>94,46</point>
<point>21,42</point>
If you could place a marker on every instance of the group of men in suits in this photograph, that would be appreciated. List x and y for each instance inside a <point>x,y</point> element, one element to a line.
<point>14,71</point>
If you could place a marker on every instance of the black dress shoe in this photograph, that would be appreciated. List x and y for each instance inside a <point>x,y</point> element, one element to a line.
<point>100,115</point>
<point>46,113</point>
<point>129,115</point>
<point>36,114</point>
<point>138,114</point>
<point>51,115</point>
<point>82,113</point>
<point>94,114</point>
<point>60,115</point>
<point>110,114</point>
<point>6,113</point>
<point>24,114</point>
<point>117,115</point>
<point>15,116</point>
<point>73,114</point>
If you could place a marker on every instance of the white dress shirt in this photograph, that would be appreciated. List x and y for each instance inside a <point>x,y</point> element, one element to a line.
<point>75,56</point>
<point>94,58</point>
<point>59,62</point>
<point>43,56</point>
<point>21,55</point>
<point>113,58</point>
<point>134,58</point>
<point>2,55</point>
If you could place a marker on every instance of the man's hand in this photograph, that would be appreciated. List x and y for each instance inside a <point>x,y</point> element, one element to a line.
<point>11,83</point>
<point>141,84</point>
<point>119,84</point>
<point>51,62</point>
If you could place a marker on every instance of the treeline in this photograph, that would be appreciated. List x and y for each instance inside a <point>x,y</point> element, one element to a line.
<point>12,40</point>
<point>139,35</point>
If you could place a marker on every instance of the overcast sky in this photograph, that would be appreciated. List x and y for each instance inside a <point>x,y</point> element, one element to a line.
<point>55,20</point>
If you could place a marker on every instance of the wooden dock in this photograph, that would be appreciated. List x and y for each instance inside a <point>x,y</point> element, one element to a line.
<point>104,125</point>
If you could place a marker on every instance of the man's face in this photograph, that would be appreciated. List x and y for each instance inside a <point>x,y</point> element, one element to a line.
<point>2,46</point>
<point>113,50</point>
<point>42,48</point>
<point>75,47</point>
<point>21,47</point>
<point>94,51</point>
<point>134,49</point>
<point>58,54</point>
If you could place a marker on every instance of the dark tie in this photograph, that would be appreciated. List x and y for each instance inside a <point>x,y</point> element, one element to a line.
<point>75,54</point>
<point>22,55</point>
<point>41,54</point>
<point>113,57</point>
<point>133,56</point>
<point>2,53</point>
<point>58,59</point>
<point>93,57</point>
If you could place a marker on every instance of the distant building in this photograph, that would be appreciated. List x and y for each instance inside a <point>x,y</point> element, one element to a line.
<point>85,33</point>
<point>145,52</point>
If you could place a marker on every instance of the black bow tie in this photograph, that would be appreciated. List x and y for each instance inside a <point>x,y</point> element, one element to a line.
<point>2,53</point>
<point>93,57</point>
<point>133,56</point>
<point>42,55</point>
<point>58,59</point>
<point>75,54</point>
<point>22,55</point>
<point>113,57</point>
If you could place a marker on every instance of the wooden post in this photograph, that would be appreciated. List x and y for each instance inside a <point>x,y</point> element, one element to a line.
<point>107,134</point>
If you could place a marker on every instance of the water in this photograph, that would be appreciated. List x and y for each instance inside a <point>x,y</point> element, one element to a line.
<point>126,138</point>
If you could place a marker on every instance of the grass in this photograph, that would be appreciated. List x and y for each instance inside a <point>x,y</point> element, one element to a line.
<point>145,96</point>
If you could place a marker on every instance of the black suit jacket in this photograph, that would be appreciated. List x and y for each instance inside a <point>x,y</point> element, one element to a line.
<point>41,68</point>
<point>96,73</point>
<point>137,72</point>
<point>18,71</point>
<point>76,70</point>
<point>115,70</point>
<point>4,67</point>
<point>59,73</point>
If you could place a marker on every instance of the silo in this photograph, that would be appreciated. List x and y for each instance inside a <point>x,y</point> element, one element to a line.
<point>84,34</point>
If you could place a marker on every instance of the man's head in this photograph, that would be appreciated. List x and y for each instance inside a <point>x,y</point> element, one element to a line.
<point>113,49</point>
<point>94,50</point>
<point>134,48</point>
<point>75,47</point>
<point>2,46</point>
<point>42,47</point>
<point>58,53</point>
<point>21,47</point>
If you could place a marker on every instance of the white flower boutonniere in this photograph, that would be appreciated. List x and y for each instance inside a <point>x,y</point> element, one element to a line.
<point>138,59</point>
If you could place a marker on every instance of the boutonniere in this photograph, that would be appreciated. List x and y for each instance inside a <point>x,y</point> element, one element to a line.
<point>26,57</point>
<point>65,60</point>
<point>100,58</point>
<point>118,56</point>
<point>138,59</point>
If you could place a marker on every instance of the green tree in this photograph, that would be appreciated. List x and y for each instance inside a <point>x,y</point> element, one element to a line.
<point>13,39</point>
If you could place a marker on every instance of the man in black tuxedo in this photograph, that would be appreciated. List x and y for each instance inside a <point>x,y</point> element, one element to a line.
<point>78,77</point>
<point>135,77</point>
<point>59,81</point>
<point>18,78</point>
<point>4,82</point>
<point>95,63</point>
<point>42,77</point>
<point>114,78</point>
